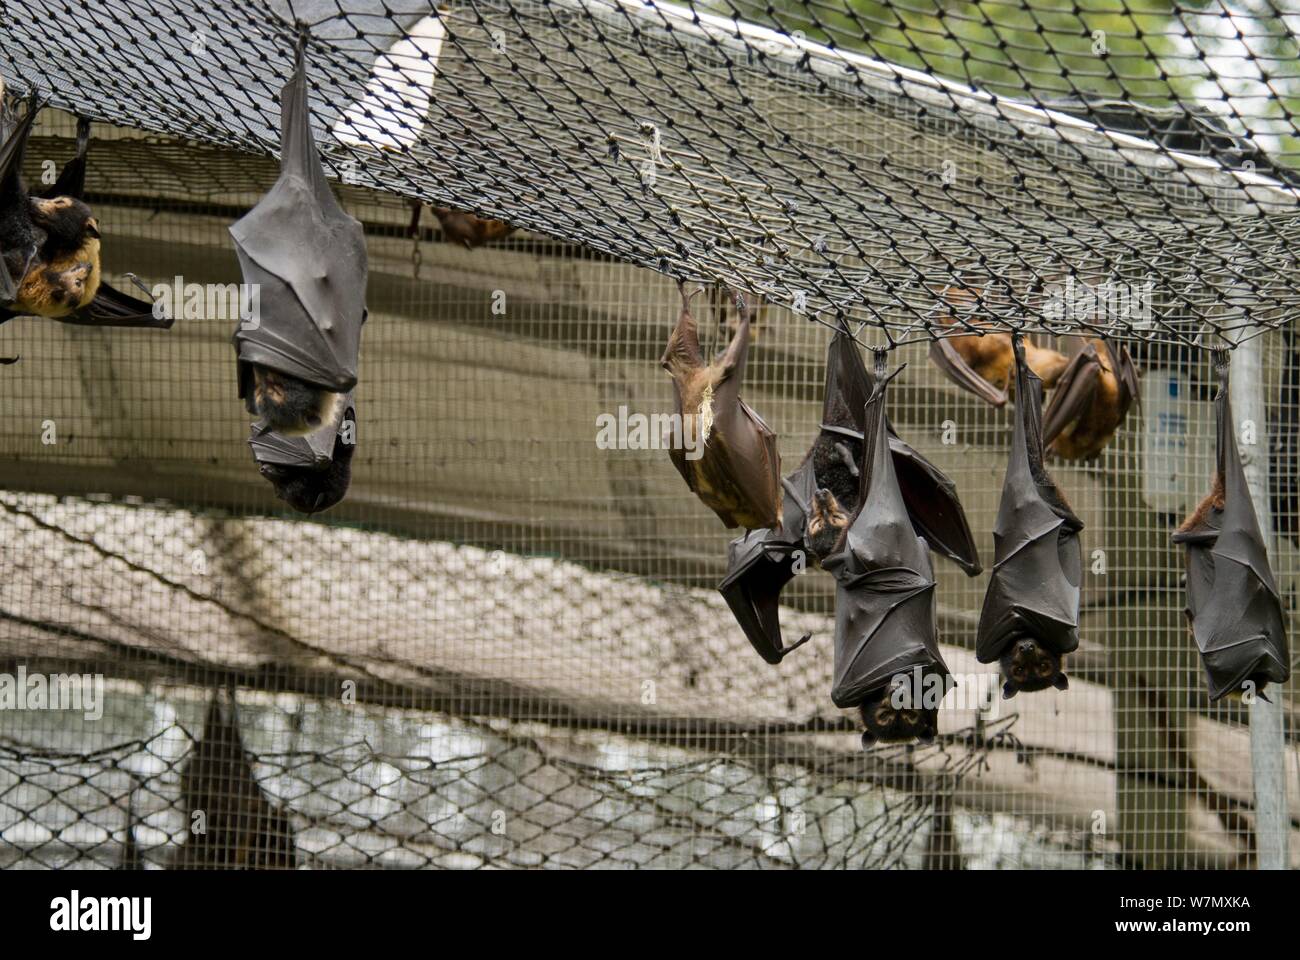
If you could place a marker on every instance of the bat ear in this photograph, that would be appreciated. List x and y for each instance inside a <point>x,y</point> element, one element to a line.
<point>868,741</point>
<point>1008,691</point>
<point>1062,682</point>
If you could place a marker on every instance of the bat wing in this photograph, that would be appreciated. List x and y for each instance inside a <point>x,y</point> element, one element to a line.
<point>930,496</point>
<point>884,596</point>
<point>1037,559</point>
<point>954,366</point>
<point>113,308</point>
<point>8,291</point>
<point>1232,598</point>
<point>72,178</point>
<point>933,506</point>
<point>762,562</point>
<point>848,385</point>
<point>1126,373</point>
<point>307,259</point>
<point>1074,393</point>
<point>11,160</point>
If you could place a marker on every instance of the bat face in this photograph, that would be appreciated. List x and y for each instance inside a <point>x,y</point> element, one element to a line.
<point>312,491</point>
<point>886,723</point>
<point>1028,666</point>
<point>58,290</point>
<point>826,524</point>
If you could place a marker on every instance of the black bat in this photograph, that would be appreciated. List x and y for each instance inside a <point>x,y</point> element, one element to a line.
<point>242,829</point>
<point>1030,616</point>
<point>306,257</point>
<point>887,660</point>
<point>51,244</point>
<point>1232,600</point>
<point>310,472</point>
<point>1092,399</point>
<point>825,488</point>
<point>737,473</point>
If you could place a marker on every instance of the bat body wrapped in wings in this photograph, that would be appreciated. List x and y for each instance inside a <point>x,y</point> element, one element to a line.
<point>1030,617</point>
<point>243,830</point>
<point>1092,398</point>
<point>983,363</point>
<point>298,357</point>
<point>820,497</point>
<point>50,243</point>
<point>887,660</point>
<point>1232,600</point>
<point>735,468</point>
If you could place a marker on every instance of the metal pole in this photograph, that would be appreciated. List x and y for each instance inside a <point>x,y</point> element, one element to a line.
<point>1267,738</point>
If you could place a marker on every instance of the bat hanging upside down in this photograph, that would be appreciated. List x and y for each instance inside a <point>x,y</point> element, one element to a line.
<point>985,364</point>
<point>733,465</point>
<point>51,245</point>
<point>1092,398</point>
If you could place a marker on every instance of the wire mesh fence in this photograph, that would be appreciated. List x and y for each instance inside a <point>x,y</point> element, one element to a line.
<point>506,647</point>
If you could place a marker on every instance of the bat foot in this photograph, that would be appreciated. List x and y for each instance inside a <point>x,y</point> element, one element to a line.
<point>794,646</point>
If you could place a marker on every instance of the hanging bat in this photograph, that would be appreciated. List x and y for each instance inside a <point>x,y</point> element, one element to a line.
<point>307,258</point>
<point>822,495</point>
<point>1030,617</point>
<point>466,228</point>
<point>1092,399</point>
<point>50,244</point>
<point>735,469</point>
<point>983,364</point>
<point>1232,599</point>
<point>310,472</point>
<point>243,830</point>
<point>887,660</point>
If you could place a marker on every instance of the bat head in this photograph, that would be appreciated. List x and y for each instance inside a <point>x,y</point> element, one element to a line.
<point>311,491</point>
<point>886,723</point>
<point>827,522</point>
<point>67,222</point>
<point>1029,666</point>
<point>56,293</point>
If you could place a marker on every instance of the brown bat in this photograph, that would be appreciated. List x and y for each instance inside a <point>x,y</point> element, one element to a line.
<point>1092,398</point>
<point>465,228</point>
<point>733,466</point>
<point>984,364</point>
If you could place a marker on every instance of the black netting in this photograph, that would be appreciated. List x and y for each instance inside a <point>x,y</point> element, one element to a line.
<point>809,166</point>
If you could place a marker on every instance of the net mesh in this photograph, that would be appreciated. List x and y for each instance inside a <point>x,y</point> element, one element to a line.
<point>505,647</point>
